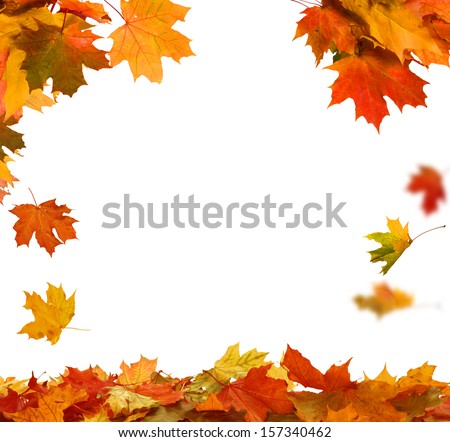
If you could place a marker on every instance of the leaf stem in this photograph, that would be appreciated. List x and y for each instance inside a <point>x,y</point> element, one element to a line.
<point>426,231</point>
<point>64,21</point>
<point>115,9</point>
<point>217,380</point>
<point>34,199</point>
<point>77,329</point>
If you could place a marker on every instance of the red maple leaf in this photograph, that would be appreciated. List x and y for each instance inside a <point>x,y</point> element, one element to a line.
<point>256,394</point>
<point>428,181</point>
<point>301,370</point>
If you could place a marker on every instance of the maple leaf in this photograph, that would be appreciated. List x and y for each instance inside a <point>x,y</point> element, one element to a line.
<point>147,35</point>
<point>327,25</point>
<point>416,401</point>
<point>84,10</point>
<point>9,138</point>
<point>302,371</point>
<point>41,220</point>
<point>394,26</point>
<point>368,77</point>
<point>60,55</point>
<point>6,179</point>
<point>393,244</point>
<point>428,181</point>
<point>256,394</point>
<point>230,365</point>
<point>137,373</point>
<point>47,410</point>
<point>384,299</point>
<point>128,403</point>
<point>51,317</point>
<point>163,393</point>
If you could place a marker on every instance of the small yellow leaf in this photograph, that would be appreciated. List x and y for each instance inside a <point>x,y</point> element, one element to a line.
<point>51,317</point>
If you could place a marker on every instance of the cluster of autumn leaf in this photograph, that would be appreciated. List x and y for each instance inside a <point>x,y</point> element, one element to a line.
<point>44,46</point>
<point>374,43</point>
<point>238,388</point>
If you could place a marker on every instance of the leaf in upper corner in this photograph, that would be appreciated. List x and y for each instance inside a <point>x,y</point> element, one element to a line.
<point>51,317</point>
<point>85,10</point>
<point>147,35</point>
<point>230,365</point>
<point>61,56</point>
<point>393,26</point>
<point>368,77</point>
<point>428,181</point>
<point>41,220</point>
<point>393,244</point>
<point>384,299</point>
<point>326,25</point>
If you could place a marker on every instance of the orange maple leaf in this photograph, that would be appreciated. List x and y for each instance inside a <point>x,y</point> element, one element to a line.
<point>147,35</point>
<point>428,181</point>
<point>42,219</point>
<point>327,25</point>
<point>370,76</point>
<point>302,371</point>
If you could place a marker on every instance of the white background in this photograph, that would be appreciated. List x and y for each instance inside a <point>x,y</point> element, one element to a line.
<point>246,117</point>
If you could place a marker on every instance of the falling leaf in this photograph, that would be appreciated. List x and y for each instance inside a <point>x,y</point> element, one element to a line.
<point>147,35</point>
<point>41,220</point>
<point>429,181</point>
<point>384,300</point>
<point>51,317</point>
<point>393,244</point>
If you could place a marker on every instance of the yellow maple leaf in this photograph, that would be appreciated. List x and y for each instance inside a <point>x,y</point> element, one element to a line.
<point>125,402</point>
<point>147,35</point>
<point>394,26</point>
<point>384,299</point>
<point>230,365</point>
<point>51,317</point>
<point>393,244</point>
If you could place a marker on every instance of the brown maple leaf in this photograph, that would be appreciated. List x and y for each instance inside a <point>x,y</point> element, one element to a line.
<point>42,220</point>
<point>147,35</point>
<point>428,181</point>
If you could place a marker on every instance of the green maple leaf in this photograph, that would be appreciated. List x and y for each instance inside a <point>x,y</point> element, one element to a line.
<point>393,244</point>
<point>60,55</point>
<point>9,138</point>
